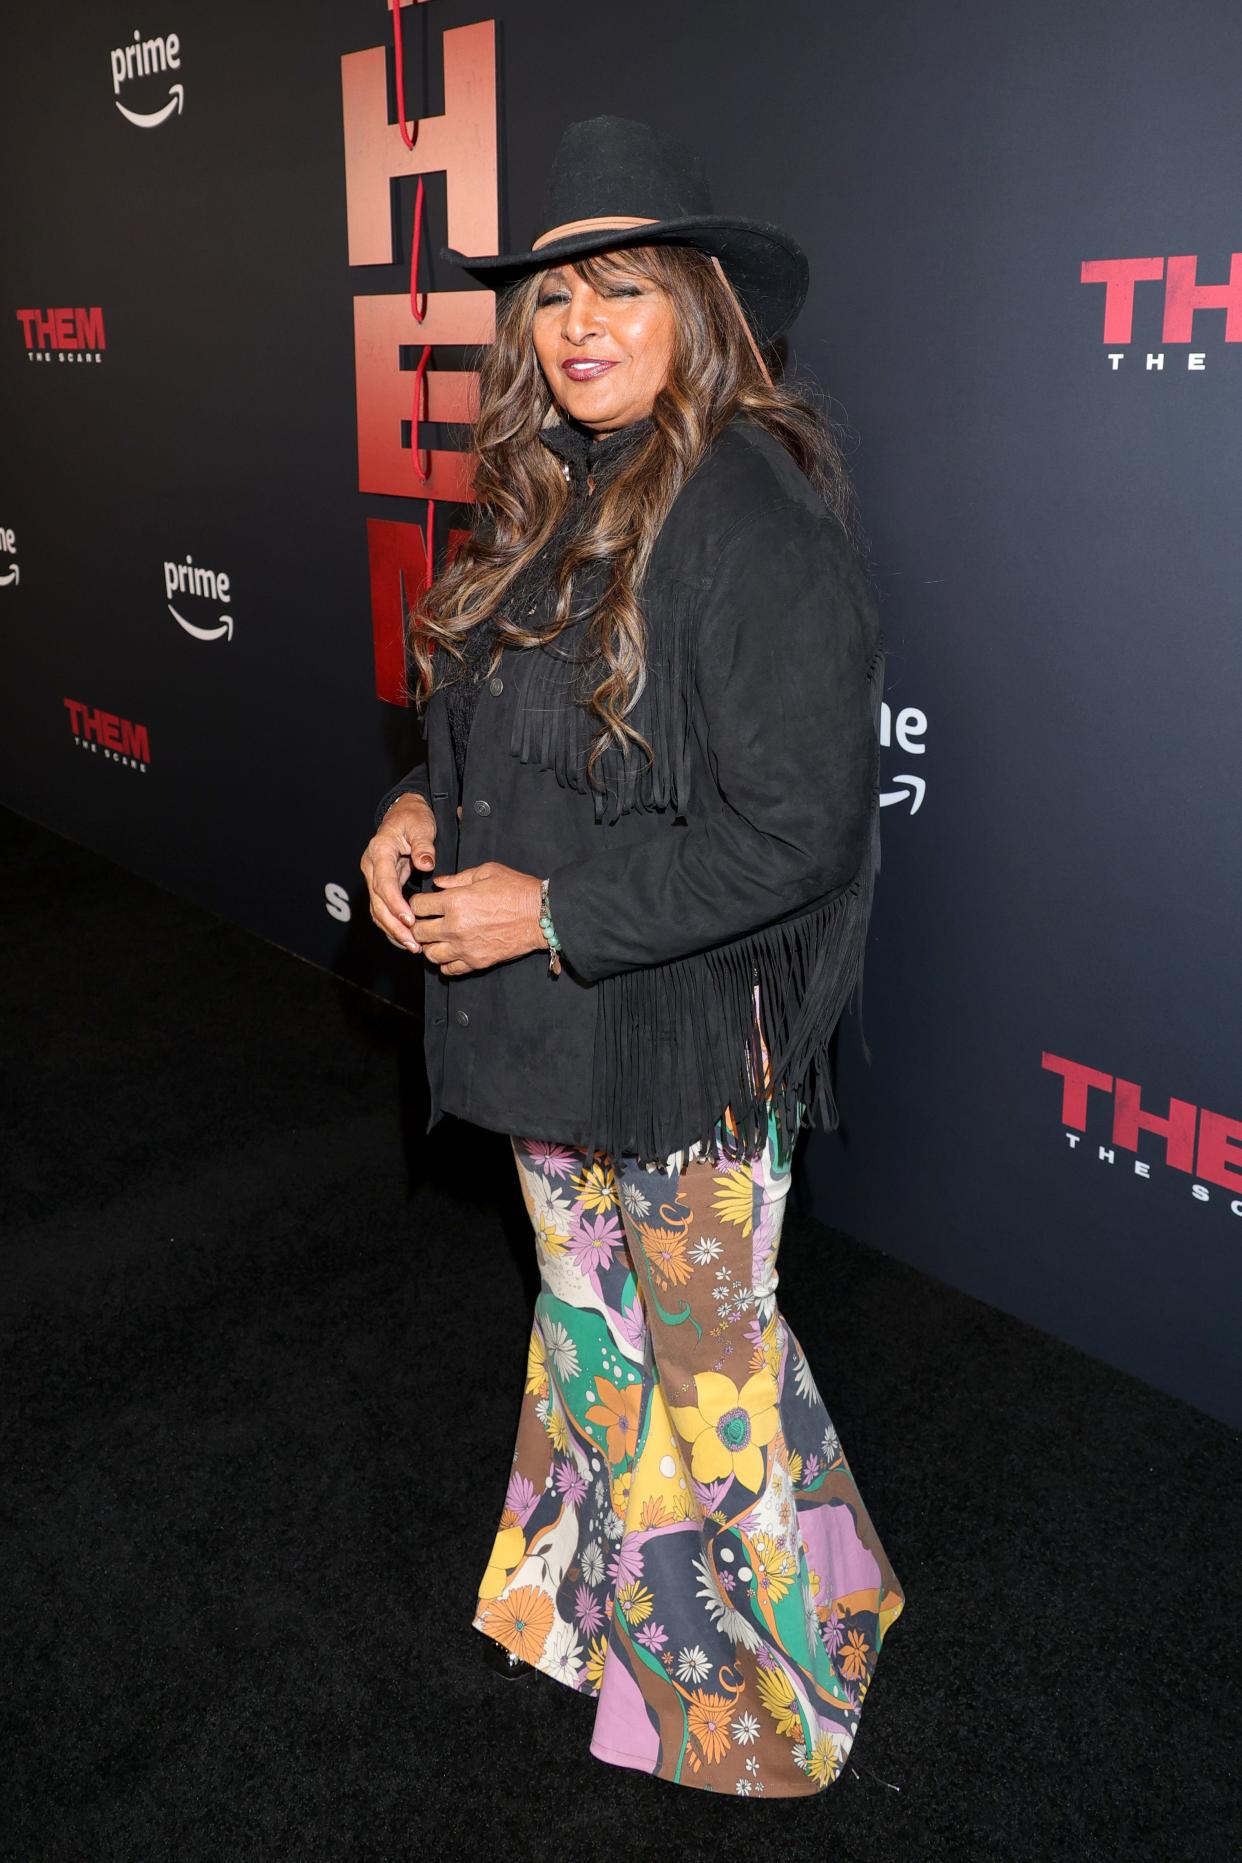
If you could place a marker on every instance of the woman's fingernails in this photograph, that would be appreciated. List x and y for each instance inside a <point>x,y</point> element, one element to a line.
<point>412,946</point>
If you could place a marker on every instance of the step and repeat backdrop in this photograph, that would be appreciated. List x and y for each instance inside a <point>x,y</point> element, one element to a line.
<point>235,378</point>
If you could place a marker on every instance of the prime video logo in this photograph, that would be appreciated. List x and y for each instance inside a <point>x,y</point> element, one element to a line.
<point>906,731</point>
<point>209,585</point>
<point>140,60</point>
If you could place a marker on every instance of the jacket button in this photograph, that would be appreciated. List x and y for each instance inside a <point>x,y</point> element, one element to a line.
<point>496,685</point>
<point>482,808</point>
<point>462,1016</point>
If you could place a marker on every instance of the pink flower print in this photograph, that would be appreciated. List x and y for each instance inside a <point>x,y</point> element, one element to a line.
<point>520,1497</point>
<point>710,1494</point>
<point>653,1637</point>
<point>832,1631</point>
<point>587,1611</point>
<point>626,1564</point>
<point>592,1241</point>
<point>570,1484</point>
<point>633,1325</point>
<point>552,1160</point>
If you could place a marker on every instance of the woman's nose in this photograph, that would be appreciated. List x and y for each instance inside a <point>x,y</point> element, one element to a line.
<point>581,321</point>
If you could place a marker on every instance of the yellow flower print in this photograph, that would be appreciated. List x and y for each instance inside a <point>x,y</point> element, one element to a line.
<point>596,1653</point>
<point>824,1760</point>
<point>709,1723</point>
<point>596,1187</point>
<point>852,1656</point>
<point>795,1467</point>
<point>733,1198</point>
<point>776,1692</point>
<point>772,1345</point>
<point>557,1428</point>
<point>506,1556</point>
<point>552,1237</point>
<point>536,1365</point>
<point>619,1488</point>
<point>727,1428</point>
<point>521,1621</point>
<point>548,1208</point>
<point>636,1601</point>
<point>775,1569</point>
<point>653,1513</point>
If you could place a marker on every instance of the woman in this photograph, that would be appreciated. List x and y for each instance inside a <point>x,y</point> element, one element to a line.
<point>651,682</point>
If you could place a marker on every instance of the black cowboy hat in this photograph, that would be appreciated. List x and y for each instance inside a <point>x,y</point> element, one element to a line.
<point>618,183</point>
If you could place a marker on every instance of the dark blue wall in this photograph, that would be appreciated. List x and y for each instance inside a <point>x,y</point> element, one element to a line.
<point>1053,522</point>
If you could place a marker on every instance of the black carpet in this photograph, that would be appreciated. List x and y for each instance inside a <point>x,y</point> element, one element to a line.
<point>263,1349</point>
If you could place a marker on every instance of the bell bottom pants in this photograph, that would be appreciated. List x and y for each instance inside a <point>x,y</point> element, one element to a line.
<point>682,1538</point>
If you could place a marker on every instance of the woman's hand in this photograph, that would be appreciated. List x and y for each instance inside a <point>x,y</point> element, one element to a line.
<point>480,916</point>
<point>404,840</point>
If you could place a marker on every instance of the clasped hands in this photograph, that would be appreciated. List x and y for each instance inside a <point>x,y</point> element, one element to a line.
<point>481,916</point>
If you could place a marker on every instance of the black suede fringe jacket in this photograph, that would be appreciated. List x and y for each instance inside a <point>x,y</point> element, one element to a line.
<point>746,854</point>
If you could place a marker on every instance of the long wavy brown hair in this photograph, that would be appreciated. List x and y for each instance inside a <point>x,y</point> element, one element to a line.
<point>521,493</point>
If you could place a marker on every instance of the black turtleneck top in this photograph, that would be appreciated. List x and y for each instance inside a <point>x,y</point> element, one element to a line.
<point>586,458</point>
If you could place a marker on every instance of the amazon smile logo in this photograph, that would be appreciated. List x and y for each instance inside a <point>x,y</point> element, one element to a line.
<point>906,731</point>
<point>143,59</point>
<point>211,585</point>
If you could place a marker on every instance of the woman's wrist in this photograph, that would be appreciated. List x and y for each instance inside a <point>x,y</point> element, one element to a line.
<point>548,930</point>
<point>408,799</point>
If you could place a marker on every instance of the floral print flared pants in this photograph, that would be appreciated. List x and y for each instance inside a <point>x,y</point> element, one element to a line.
<point>682,1537</point>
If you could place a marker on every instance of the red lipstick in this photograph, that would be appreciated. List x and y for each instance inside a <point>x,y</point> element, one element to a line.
<point>585,368</point>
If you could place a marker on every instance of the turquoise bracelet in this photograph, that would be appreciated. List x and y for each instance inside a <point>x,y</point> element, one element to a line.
<point>549,932</point>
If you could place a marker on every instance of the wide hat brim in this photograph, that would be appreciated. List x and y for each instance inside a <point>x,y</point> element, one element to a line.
<point>768,270</point>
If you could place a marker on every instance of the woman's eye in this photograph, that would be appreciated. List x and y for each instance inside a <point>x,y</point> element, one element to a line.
<point>613,291</point>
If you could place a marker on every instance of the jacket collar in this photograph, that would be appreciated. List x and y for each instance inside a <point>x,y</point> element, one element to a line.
<point>587,452</point>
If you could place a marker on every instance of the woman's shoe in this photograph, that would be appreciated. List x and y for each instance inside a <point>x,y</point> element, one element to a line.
<point>503,1662</point>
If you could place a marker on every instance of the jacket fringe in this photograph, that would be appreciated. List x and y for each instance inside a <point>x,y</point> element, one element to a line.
<point>554,730</point>
<point>678,1058</point>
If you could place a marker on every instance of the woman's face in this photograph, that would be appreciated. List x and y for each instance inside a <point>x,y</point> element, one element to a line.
<point>620,337</point>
